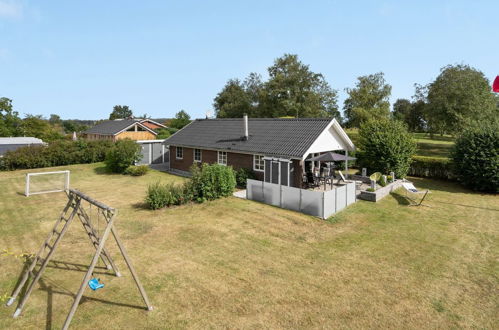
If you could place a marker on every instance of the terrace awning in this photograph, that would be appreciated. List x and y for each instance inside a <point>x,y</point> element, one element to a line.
<point>331,157</point>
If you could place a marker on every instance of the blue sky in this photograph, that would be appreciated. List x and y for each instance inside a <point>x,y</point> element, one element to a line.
<point>79,58</point>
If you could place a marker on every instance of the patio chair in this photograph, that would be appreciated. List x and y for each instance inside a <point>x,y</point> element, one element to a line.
<point>410,188</point>
<point>342,178</point>
<point>312,181</point>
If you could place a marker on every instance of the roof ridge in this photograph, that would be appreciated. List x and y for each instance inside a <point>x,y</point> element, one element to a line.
<point>266,119</point>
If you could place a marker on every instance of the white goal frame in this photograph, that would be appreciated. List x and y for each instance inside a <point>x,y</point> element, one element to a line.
<point>27,193</point>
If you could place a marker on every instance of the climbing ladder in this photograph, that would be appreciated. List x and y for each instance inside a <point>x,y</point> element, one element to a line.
<point>42,258</point>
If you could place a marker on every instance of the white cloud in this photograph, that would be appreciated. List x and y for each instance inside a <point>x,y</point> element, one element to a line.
<point>11,9</point>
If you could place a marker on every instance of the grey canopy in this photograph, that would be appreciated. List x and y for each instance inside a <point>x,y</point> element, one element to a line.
<point>331,157</point>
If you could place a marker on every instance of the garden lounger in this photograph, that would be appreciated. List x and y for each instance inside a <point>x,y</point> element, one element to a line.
<point>409,187</point>
<point>342,178</point>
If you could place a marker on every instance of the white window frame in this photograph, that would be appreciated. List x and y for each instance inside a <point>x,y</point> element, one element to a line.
<point>261,163</point>
<point>181,149</point>
<point>220,159</point>
<point>200,155</point>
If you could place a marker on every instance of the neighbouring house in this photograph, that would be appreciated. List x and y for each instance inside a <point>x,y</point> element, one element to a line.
<point>135,129</point>
<point>275,149</point>
<point>13,143</point>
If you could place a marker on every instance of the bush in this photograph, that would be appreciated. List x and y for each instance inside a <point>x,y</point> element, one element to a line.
<point>385,146</point>
<point>164,195</point>
<point>210,182</point>
<point>58,153</point>
<point>431,167</point>
<point>123,154</point>
<point>476,158</point>
<point>382,182</point>
<point>136,170</point>
<point>242,175</point>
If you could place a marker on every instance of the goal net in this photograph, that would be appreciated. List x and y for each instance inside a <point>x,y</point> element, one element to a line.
<point>46,182</point>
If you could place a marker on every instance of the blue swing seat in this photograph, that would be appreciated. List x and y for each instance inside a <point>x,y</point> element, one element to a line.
<point>94,284</point>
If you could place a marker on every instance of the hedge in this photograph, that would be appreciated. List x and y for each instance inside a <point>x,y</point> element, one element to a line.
<point>431,167</point>
<point>57,153</point>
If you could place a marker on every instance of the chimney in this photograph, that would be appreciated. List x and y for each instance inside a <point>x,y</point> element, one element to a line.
<point>246,135</point>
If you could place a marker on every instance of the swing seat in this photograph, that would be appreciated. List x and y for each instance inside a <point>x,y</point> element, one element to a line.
<point>94,284</point>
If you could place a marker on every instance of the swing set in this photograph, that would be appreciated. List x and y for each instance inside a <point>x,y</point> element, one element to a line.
<point>74,207</point>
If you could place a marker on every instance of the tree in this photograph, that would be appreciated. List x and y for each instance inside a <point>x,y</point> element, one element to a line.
<point>9,119</point>
<point>233,101</point>
<point>121,112</point>
<point>37,126</point>
<point>459,96</point>
<point>401,109</point>
<point>181,119</point>
<point>384,146</point>
<point>369,99</point>
<point>55,119</point>
<point>294,90</point>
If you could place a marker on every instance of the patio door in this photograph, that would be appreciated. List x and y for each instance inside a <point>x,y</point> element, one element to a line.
<point>277,171</point>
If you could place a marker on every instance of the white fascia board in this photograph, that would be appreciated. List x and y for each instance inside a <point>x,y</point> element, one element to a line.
<point>136,123</point>
<point>154,122</point>
<point>333,137</point>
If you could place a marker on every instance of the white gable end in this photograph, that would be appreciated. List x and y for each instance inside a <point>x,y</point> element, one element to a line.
<point>332,138</point>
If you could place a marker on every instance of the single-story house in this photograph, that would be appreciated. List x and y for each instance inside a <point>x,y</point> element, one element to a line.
<point>135,129</point>
<point>13,143</point>
<point>275,149</point>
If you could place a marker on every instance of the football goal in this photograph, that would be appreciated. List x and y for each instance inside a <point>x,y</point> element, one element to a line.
<point>46,182</point>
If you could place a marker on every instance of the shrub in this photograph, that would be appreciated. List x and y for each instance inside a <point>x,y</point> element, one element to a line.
<point>431,167</point>
<point>58,153</point>
<point>164,195</point>
<point>137,170</point>
<point>210,182</point>
<point>371,189</point>
<point>476,158</point>
<point>382,182</point>
<point>242,175</point>
<point>385,146</point>
<point>123,154</point>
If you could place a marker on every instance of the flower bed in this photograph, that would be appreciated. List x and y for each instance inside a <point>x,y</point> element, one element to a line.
<point>374,196</point>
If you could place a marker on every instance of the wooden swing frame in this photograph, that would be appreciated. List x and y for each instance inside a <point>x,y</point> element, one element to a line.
<point>74,208</point>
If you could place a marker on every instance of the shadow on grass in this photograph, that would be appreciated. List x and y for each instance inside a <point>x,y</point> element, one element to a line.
<point>140,206</point>
<point>49,288</point>
<point>402,200</point>
<point>103,170</point>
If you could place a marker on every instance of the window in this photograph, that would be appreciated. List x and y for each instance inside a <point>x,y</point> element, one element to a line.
<point>197,155</point>
<point>180,152</point>
<point>222,157</point>
<point>258,163</point>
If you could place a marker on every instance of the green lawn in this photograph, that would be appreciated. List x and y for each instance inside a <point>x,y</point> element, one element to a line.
<point>234,263</point>
<point>439,146</point>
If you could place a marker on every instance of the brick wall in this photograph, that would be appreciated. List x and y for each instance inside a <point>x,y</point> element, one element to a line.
<point>236,160</point>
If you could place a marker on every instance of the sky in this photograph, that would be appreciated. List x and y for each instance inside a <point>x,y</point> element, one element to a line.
<point>78,59</point>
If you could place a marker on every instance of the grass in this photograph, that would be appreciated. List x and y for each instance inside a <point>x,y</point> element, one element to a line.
<point>438,146</point>
<point>234,263</point>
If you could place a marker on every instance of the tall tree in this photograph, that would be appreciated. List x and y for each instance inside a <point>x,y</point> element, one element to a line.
<point>369,99</point>
<point>10,122</point>
<point>233,101</point>
<point>181,119</point>
<point>121,112</point>
<point>401,109</point>
<point>294,90</point>
<point>55,119</point>
<point>37,126</point>
<point>459,96</point>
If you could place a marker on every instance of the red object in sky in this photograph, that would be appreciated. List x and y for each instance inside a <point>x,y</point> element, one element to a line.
<point>495,86</point>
